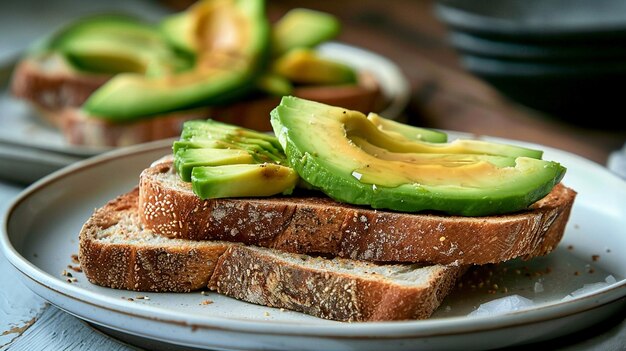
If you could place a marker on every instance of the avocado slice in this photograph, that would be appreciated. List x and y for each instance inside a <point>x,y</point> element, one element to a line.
<point>274,84</point>
<point>233,40</point>
<point>178,30</point>
<point>345,155</point>
<point>114,44</point>
<point>243,180</point>
<point>187,159</point>
<point>202,130</point>
<point>305,66</point>
<point>212,143</point>
<point>405,131</point>
<point>222,160</point>
<point>303,28</point>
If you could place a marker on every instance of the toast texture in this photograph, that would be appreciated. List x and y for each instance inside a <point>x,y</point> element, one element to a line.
<point>117,251</point>
<point>315,224</point>
<point>57,92</point>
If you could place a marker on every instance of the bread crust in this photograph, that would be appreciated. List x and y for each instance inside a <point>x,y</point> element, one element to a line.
<point>258,275</point>
<point>309,224</point>
<point>248,274</point>
<point>135,266</point>
<point>51,85</point>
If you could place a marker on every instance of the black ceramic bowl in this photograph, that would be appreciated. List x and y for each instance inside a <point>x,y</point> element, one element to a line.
<point>537,20</point>
<point>566,52</point>
<point>589,95</point>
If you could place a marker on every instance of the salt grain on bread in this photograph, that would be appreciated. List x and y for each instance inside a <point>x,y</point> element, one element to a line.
<point>117,251</point>
<point>318,224</point>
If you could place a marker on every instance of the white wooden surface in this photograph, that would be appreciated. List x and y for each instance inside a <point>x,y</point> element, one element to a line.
<point>29,323</point>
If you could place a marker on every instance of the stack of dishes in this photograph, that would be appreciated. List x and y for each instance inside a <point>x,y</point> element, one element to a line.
<point>564,57</point>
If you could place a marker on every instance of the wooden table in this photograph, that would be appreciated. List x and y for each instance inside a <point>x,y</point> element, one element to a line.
<point>443,96</point>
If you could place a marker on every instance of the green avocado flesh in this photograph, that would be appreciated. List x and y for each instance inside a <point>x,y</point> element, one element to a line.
<point>303,28</point>
<point>349,158</point>
<point>274,84</point>
<point>243,180</point>
<point>304,66</point>
<point>232,41</point>
<point>404,131</point>
<point>222,160</point>
<point>178,30</point>
<point>114,44</point>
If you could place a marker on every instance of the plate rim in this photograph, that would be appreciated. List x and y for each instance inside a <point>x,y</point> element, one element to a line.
<point>384,330</point>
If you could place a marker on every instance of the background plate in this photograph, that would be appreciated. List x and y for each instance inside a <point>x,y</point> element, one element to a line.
<point>22,127</point>
<point>41,229</point>
<point>25,138</point>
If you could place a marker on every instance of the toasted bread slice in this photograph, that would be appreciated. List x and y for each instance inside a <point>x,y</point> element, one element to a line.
<point>56,91</point>
<point>313,223</point>
<point>117,251</point>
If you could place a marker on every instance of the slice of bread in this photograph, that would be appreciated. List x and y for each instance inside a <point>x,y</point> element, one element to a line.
<point>312,223</point>
<point>56,91</point>
<point>117,251</point>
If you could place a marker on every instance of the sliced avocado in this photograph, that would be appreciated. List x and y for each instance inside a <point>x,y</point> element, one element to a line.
<point>260,150</point>
<point>233,37</point>
<point>243,180</point>
<point>274,84</point>
<point>199,130</point>
<point>211,155</point>
<point>114,44</point>
<point>345,155</point>
<point>178,30</point>
<point>303,28</point>
<point>401,130</point>
<point>187,159</point>
<point>305,66</point>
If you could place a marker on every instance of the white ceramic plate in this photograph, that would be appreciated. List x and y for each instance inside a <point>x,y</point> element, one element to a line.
<point>40,235</point>
<point>20,125</point>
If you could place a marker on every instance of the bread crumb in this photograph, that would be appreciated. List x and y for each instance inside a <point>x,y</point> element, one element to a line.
<point>77,269</point>
<point>75,259</point>
<point>595,258</point>
<point>142,297</point>
<point>266,314</point>
<point>206,302</point>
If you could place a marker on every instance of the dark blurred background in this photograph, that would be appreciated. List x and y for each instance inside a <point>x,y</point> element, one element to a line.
<point>445,94</point>
<point>448,91</point>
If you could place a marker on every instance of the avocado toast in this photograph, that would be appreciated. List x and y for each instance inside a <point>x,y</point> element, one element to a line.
<point>113,80</point>
<point>117,251</point>
<point>280,233</point>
